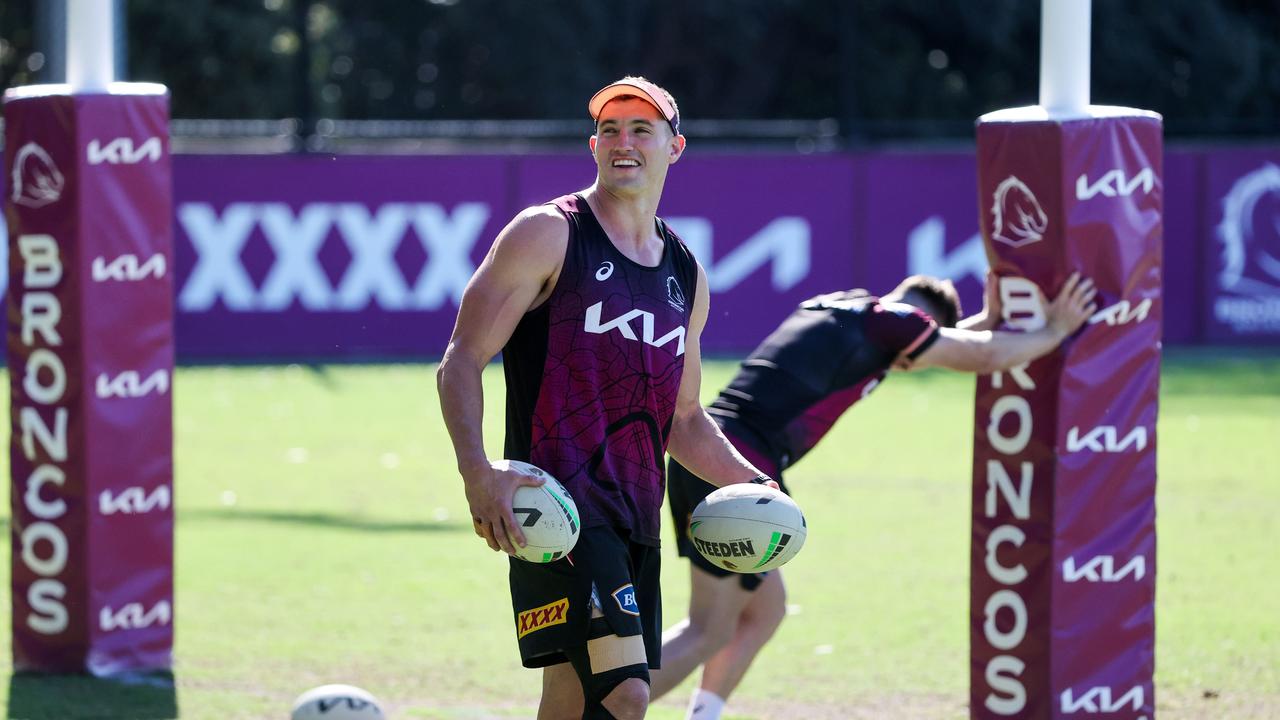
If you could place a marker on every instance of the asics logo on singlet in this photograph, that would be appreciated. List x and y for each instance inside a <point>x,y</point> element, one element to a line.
<point>622,324</point>
<point>605,271</point>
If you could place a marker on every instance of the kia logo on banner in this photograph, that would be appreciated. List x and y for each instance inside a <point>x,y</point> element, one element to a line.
<point>35,180</point>
<point>1099,700</point>
<point>126,268</point>
<point>122,151</point>
<point>133,501</point>
<point>1103,569</point>
<point>133,616</point>
<point>927,255</point>
<point>372,236</point>
<point>1106,439</point>
<point>1018,218</point>
<point>131,384</point>
<point>1249,239</point>
<point>783,244</point>
<point>1113,183</point>
<point>1122,313</point>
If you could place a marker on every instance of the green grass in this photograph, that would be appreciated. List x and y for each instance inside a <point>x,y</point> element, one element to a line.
<point>323,537</point>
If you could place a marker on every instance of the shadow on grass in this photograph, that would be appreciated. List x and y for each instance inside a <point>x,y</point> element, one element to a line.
<point>317,519</point>
<point>149,696</point>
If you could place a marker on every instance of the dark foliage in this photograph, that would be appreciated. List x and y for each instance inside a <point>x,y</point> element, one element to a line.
<point>884,68</point>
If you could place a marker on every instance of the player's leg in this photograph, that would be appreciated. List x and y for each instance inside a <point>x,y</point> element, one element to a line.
<point>621,671</point>
<point>628,701</point>
<point>757,622</point>
<point>716,595</point>
<point>562,697</point>
<point>716,600</point>
<point>623,638</point>
<point>613,672</point>
<point>551,604</point>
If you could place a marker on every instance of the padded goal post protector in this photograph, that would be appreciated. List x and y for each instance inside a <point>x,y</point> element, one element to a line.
<point>90,353</point>
<point>1062,560</point>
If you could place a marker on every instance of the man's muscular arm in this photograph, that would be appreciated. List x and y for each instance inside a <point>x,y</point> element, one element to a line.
<point>514,277</point>
<point>988,351</point>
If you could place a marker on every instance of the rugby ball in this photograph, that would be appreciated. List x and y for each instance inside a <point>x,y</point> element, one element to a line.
<point>547,515</point>
<point>336,702</point>
<point>748,528</point>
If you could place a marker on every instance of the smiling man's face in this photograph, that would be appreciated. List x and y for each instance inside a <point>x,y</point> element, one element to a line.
<point>633,145</point>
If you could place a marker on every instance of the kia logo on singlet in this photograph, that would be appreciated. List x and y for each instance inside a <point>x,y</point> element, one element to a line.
<point>622,324</point>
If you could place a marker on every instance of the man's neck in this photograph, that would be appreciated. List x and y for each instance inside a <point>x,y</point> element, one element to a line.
<point>628,220</point>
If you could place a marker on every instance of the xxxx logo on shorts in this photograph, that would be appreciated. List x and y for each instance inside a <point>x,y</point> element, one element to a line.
<point>555,613</point>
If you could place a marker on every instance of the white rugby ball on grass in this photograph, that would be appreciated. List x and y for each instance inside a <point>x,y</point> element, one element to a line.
<point>336,702</point>
<point>748,528</point>
<point>547,515</point>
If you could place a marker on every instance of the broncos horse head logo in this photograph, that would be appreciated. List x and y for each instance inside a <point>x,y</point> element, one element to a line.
<point>1250,234</point>
<point>36,179</point>
<point>1019,219</point>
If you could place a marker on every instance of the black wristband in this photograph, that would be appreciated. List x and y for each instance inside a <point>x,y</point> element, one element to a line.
<point>761,479</point>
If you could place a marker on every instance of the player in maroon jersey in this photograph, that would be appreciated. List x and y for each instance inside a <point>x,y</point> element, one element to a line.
<point>597,308</point>
<point>828,354</point>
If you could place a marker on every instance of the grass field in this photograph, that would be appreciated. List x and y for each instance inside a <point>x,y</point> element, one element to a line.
<point>323,536</point>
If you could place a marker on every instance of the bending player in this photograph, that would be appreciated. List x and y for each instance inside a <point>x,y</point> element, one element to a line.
<point>828,354</point>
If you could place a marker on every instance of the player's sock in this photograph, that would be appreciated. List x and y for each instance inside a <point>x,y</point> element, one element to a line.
<point>705,705</point>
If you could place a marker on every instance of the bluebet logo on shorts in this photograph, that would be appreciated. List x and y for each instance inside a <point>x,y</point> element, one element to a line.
<point>625,596</point>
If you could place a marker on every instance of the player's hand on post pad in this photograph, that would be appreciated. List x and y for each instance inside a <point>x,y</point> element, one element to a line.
<point>1073,306</point>
<point>992,305</point>
<point>490,491</point>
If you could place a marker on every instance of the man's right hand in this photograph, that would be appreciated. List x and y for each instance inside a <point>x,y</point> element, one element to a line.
<point>1073,306</point>
<point>490,491</point>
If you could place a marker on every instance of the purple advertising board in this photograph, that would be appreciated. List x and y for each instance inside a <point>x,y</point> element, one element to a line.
<point>90,353</point>
<point>323,257</point>
<point>1241,280</point>
<point>1184,248</point>
<point>770,230</point>
<point>915,216</point>
<point>358,257</point>
<point>1063,542</point>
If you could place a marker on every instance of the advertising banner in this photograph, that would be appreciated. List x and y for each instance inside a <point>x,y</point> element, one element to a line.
<point>1185,245</point>
<point>1063,547</point>
<point>916,218</point>
<point>770,230</point>
<point>1011,553</point>
<point>323,257</point>
<point>90,353</point>
<point>315,258</point>
<point>1104,545</point>
<point>1242,255</point>
<point>49,493</point>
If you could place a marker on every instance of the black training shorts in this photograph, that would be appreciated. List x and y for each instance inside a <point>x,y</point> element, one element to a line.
<point>552,602</point>
<point>684,491</point>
